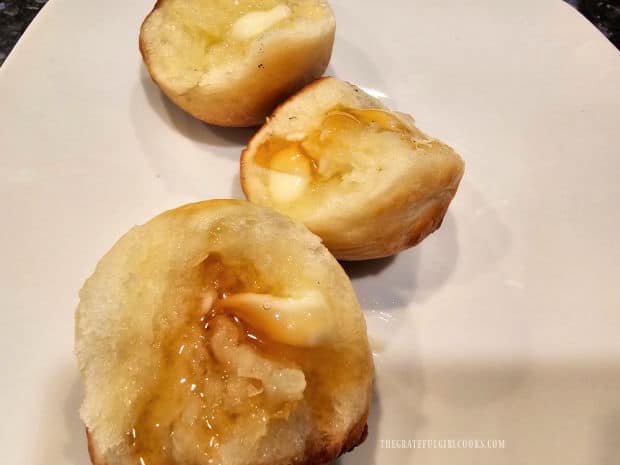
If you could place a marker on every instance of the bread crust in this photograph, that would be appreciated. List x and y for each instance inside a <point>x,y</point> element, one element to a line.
<point>398,217</point>
<point>93,453</point>
<point>319,453</point>
<point>270,73</point>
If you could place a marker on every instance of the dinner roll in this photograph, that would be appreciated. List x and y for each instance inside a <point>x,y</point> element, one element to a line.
<point>363,178</point>
<point>224,333</point>
<point>230,63</point>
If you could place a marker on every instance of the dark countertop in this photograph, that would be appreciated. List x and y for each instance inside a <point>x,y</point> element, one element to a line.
<point>605,15</point>
<point>16,15</point>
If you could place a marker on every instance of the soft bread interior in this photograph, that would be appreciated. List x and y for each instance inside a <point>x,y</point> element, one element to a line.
<point>193,44</point>
<point>173,375</point>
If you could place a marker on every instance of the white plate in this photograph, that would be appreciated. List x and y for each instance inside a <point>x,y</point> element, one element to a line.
<point>503,325</point>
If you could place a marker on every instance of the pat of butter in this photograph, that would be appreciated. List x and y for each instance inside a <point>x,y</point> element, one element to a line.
<point>257,22</point>
<point>302,322</point>
<point>289,175</point>
<point>285,187</point>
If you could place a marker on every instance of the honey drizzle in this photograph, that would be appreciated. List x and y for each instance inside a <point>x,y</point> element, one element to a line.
<point>289,156</point>
<point>187,367</point>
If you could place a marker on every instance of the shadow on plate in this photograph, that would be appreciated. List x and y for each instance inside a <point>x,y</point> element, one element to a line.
<point>361,269</point>
<point>75,448</point>
<point>410,276</point>
<point>485,237</point>
<point>62,437</point>
<point>534,409</point>
<point>186,124</point>
<point>330,71</point>
<point>236,192</point>
<point>364,454</point>
<point>610,439</point>
<point>401,384</point>
<point>416,274</point>
<point>185,156</point>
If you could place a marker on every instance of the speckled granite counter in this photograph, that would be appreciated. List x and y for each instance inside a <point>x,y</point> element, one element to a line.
<point>15,16</point>
<point>605,15</point>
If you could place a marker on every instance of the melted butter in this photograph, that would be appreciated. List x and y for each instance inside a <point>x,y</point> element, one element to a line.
<point>256,22</point>
<point>291,173</point>
<point>297,165</point>
<point>199,399</point>
<point>302,322</point>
